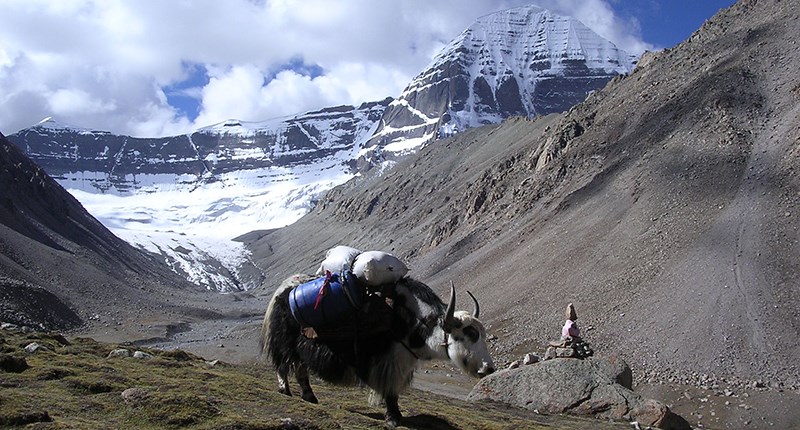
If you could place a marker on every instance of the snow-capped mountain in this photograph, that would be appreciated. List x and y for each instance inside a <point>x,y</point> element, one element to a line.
<point>523,61</point>
<point>98,161</point>
<point>186,197</point>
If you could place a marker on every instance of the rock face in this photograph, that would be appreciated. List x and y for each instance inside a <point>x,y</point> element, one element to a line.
<point>524,61</point>
<point>598,387</point>
<point>98,161</point>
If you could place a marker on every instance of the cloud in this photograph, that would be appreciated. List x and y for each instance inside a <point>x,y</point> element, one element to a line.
<point>117,65</point>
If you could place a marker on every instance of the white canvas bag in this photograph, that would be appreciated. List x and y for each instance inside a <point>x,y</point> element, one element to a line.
<point>338,257</point>
<point>376,268</point>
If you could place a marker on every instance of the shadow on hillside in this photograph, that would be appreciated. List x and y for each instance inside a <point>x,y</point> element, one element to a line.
<point>418,422</point>
<point>427,422</point>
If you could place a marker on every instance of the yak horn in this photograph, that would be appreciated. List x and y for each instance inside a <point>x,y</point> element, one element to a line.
<point>449,321</point>
<point>477,310</point>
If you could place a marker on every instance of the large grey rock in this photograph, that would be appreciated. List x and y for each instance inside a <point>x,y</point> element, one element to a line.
<point>596,387</point>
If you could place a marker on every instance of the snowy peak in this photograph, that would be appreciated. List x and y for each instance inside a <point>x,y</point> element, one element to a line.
<point>51,125</point>
<point>534,41</point>
<point>524,61</point>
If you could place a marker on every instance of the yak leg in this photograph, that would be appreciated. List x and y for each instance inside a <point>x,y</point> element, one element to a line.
<point>301,372</point>
<point>392,415</point>
<point>283,380</point>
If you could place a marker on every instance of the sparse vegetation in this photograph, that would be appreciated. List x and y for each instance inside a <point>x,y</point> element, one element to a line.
<point>74,384</point>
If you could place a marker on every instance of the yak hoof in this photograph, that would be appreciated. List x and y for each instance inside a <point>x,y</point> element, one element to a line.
<point>310,398</point>
<point>392,421</point>
<point>285,391</point>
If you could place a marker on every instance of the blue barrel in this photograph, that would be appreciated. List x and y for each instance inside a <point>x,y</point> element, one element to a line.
<point>340,298</point>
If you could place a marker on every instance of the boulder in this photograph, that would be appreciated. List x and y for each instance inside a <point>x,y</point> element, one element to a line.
<point>119,352</point>
<point>597,387</point>
<point>135,395</point>
<point>142,355</point>
<point>33,347</point>
<point>530,359</point>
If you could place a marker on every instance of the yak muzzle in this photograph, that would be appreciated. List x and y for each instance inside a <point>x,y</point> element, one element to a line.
<point>485,370</point>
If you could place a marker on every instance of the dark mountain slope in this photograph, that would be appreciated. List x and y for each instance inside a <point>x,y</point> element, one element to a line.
<point>665,207</point>
<point>59,267</point>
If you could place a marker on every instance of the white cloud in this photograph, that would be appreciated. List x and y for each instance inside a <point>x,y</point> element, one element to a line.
<point>104,64</point>
<point>66,102</point>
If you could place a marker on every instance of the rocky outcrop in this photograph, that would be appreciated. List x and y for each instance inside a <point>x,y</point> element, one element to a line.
<point>598,387</point>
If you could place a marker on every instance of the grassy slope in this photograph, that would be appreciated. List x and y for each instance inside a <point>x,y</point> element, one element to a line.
<point>73,384</point>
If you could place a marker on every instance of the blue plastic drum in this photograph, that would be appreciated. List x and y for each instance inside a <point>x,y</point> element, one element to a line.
<point>319,303</point>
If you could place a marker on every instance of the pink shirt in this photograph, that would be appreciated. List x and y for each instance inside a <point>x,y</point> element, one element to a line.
<point>570,329</point>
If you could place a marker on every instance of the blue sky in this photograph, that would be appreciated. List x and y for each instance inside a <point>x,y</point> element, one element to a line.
<point>666,23</point>
<point>156,68</point>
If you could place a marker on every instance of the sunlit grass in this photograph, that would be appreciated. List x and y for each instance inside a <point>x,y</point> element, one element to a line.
<point>73,384</point>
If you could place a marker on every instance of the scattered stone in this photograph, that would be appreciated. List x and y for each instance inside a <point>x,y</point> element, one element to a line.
<point>134,395</point>
<point>215,363</point>
<point>530,359</point>
<point>33,347</point>
<point>514,364</point>
<point>142,355</point>
<point>119,352</point>
<point>565,353</point>
<point>9,363</point>
<point>9,326</point>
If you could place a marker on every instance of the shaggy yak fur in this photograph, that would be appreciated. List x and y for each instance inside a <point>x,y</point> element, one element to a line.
<point>381,347</point>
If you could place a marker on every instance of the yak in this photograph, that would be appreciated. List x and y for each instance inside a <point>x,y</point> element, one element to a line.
<point>417,327</point>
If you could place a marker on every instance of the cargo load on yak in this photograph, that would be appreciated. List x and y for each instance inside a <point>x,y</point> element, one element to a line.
<point>352,298</point>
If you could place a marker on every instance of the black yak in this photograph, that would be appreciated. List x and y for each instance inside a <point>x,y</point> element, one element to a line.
<point>418,326</point>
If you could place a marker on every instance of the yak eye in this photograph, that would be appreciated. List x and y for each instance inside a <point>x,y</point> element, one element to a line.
<point>472,333</point>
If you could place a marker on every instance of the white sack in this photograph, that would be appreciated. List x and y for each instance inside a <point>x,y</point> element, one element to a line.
<point>336,258</point>
<point>376,268</point>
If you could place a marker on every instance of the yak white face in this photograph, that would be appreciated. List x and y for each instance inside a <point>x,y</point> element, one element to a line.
<point>466,345</point>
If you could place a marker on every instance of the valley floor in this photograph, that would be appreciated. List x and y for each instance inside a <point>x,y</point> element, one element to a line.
<point>234,339</point>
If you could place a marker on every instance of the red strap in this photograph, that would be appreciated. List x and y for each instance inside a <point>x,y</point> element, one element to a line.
<point>325,286</point>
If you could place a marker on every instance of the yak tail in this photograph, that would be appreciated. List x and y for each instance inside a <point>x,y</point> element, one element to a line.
<point>263,340</point>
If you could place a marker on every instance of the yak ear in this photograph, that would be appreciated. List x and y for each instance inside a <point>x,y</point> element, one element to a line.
<point>450,322</point>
